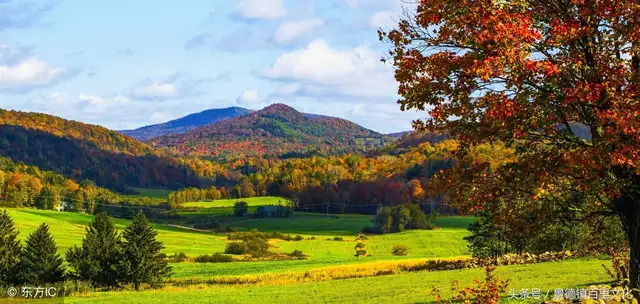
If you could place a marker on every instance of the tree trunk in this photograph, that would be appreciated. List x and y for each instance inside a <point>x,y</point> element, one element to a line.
<point>627,206</point>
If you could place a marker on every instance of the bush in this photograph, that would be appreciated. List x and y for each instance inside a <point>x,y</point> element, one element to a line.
<point>360,251</point>
<point>297,254</point>
<point>298,238</point>
<point>361,237</point>
<point>400,250</point>
<point>179,257</point>
<point>257,247</point>
<point>338,238</point>
<point>236,248</point>
<point>312,238</point>
<point>240,208</point>
<point>215,258</point>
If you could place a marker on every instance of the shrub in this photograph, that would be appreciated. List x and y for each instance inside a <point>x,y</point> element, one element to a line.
<point>399,250</point>
<point>236,248</point>
<point>240,208</point>
<point>361,237</point>
<point>215,258</point>
<point>179,257</point>
<point>619,270</point>
<point>257,247</point>
<point>485,291</point>
<point>298,238</point>
<point>360,249</point>
<point>312,238</point>
<point>297,254</point>
<point>338,238</point>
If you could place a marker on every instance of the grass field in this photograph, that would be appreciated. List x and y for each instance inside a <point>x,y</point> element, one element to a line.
<point>402,288</point>
<point>144,192</point>
<point>251,201</point>
<point>323,253</point>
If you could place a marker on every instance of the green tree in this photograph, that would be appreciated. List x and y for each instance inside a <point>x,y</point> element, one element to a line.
<point>240,208</point>
<point>142,261</point>
<point>97,258</point>
<point>10,249</point>
<point>40,262</point>
<point>48,198</point>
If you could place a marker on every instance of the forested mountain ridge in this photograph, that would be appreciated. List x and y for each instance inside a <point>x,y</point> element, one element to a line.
<point>81,151</point>
<point>101,137</point>
<point>275,131</point>
<point>186,123</point>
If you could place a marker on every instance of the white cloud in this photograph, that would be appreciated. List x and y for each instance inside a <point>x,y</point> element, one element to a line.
<point>248,97</point>
<point>175,86</point>
<point>262,9</point>
<point>320,68</point>
<point>288,31</point>
<point>156,91</point>
<point>28,74</point>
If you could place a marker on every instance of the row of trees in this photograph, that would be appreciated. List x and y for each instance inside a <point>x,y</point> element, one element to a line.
<point>106,259</point>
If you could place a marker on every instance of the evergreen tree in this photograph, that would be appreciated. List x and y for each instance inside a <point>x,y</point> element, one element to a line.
<point>40,262</point>
<point>9,249</point>
<point>97,259</point>
<point>142,261</point>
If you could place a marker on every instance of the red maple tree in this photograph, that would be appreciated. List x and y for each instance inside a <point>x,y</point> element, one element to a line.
<point>556,80</point>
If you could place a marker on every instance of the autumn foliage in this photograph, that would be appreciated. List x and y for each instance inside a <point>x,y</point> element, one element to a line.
<point>556,81</point>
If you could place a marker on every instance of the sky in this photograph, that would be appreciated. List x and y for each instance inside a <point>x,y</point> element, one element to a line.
<point>125,64</point>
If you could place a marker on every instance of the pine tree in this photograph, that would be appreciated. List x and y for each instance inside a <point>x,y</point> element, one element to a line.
<point>40,262</point>
<point>9,249</point>
<point>142,261</point>
<point>97,258</point>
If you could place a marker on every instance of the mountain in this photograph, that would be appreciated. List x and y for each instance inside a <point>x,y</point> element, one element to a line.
<point>83,151</point>
<point>185,124</point>
<point>278,131</point>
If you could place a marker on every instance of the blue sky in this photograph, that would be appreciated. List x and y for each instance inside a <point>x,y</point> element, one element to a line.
<point>124,64</point>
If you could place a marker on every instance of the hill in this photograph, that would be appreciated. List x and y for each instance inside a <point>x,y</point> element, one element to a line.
<point>83,151</point>
<point>185,124</point>
<point>100,137</point>
<point>277,130</point>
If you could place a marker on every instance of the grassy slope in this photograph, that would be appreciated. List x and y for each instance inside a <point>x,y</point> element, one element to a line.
<point>151,193</point>
<point>251,201</point>
<point>68,230</point>
<point>403,288</point>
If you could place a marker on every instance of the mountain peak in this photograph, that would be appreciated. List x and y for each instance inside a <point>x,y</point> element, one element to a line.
<point>279,108</point>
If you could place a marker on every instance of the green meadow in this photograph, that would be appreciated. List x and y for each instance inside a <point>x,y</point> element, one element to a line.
<point>324,254</point>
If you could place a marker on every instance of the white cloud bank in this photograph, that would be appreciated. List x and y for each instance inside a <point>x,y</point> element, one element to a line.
<point>323,69</point>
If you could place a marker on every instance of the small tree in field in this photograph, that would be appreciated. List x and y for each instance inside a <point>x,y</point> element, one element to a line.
<point>240,208</point>
<point>97,258</point>
<point>557,82</point>
<point>142,261</point>
<point>40,262</point>
<point>360,249</point>
<point>10,250</point>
